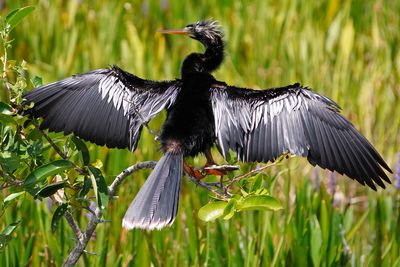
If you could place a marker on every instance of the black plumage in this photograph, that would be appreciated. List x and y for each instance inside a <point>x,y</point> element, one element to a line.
<point>110,106</point>
<point>105,106</point>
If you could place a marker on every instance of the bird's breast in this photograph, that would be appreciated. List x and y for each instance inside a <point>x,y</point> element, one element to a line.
<point>190,121</point>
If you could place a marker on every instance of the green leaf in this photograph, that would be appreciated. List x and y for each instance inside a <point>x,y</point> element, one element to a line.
<point>87,183</point>
<point>261,191</point>
<point>11,197</point>
<point>316,241</point>
<point>37,81</point>
<point>50,189</point>
<point>258,182</point>
<point>324,220</point>
<point>230,209</point>
<point>9,161</point>
<point>5,235</point>
<point>40,173</point>
<point>357,226</point>
<point>9,142</point>
<point>16,16</point>
<point>35,149</point>
<point>100,187</point>
<point>35,134</point>
<point>4,239</point>
<point>252,202</point>
<point>5,109</point>
<point>6,119</point>
<point>81,146</point>
<point>212,211</point>
<point>243,192</point>
<point>94,185</point>
<point>10,228</point>
<point>58,214</point>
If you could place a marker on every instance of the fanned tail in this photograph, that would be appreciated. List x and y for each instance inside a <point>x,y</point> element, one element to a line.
<point>156,204</point>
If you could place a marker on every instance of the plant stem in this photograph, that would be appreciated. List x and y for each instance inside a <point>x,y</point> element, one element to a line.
<point>83,239</point>
<point>5,58</point>
<point>118,180</point>
<point>217,191</point>
<point>73,224</point>
<point>276,162</point>
<point>51,142</point>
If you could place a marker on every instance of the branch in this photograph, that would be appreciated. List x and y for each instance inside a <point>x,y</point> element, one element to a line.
<point>84,237</point>
<point>51,142</point>
<point>9,181</point>
<point>73,224</point>
<point>223,194</point>
<point>276,162</point>
<point>134,168</point>
<point>56,148</point>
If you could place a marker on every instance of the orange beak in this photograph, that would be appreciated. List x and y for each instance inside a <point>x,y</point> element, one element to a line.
<point>174,31</point>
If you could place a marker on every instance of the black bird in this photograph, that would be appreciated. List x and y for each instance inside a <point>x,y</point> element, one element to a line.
<point>110,106</point>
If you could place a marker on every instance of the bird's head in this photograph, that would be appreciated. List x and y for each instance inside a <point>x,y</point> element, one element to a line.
<point>207,32</point>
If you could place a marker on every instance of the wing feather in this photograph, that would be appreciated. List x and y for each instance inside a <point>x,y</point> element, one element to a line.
<point>263,125</point>
<point>105,106</point>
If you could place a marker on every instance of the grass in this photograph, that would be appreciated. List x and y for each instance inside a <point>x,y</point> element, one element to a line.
<point>346,50</point>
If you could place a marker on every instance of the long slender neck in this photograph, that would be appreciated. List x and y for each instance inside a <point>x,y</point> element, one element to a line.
<point>206,62</point>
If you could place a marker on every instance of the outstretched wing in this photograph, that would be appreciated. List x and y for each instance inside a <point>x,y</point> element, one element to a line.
<point>263,125</point>
<point>105,106</point>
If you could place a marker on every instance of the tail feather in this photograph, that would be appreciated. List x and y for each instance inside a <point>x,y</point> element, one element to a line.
<point>156,204</point>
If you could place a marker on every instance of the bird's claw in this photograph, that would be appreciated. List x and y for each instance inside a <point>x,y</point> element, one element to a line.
<point>197,174</point>
<point>218,170</point>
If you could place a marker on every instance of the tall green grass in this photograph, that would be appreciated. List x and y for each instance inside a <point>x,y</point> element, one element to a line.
<point>346,50</point>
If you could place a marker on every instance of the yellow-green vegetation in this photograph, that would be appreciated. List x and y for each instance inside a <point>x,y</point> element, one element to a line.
<point>346,50</point>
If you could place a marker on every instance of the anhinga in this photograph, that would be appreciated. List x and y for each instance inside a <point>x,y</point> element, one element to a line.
<point>110,106</point>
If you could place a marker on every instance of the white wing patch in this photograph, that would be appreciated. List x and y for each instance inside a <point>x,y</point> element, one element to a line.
<point>238,120</point>
<point>146,103</point>
<point>116,92</point>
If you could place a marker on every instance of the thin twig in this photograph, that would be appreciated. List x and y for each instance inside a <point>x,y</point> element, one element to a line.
<point>220,193</point>
<point>57,149</point>
<point>73,224</point>
<point>134,168</point>
<point>81,242</point>
<point>51,142</point>
<point>12,183</point>
<point>92,253</point>
<point>237,178</point>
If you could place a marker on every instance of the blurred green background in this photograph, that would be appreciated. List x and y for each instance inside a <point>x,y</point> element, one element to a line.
<point>346,50</point>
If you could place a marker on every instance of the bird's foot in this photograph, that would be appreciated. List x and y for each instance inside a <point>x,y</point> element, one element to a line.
<point>208,169</point>
<point>219,170</point>
<point>191,171</point>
